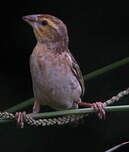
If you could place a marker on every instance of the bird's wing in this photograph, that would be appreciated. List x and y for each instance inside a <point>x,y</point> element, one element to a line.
<point>77,72</point>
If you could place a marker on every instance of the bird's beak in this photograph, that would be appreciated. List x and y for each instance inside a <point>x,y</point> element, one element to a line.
<point>31,19</point>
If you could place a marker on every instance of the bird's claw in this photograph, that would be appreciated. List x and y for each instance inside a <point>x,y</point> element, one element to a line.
<point>100,108</point>
<point>19,116</point>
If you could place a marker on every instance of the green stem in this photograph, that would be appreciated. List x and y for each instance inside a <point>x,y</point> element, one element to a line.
<point>86,77</point>
<point>73,112</point>
<point>20,106</point>
<point>107,68</point>
<point>78,111</point>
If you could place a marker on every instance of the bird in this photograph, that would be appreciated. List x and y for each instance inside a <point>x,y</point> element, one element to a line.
<point>56,76</point>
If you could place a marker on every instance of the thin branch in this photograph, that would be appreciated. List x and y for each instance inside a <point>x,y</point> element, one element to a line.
<point>78,111</point>
<point>72,112</point>
<point>20,106</point>
<point>107,68</point>
<point>116,147</point>
<point>86,77</point>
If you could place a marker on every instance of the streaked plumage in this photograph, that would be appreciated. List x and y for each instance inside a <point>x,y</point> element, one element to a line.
<point>56,76</point>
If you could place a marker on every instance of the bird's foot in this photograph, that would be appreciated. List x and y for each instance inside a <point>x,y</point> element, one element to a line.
<point>98,106</point>
<point>19,116</point>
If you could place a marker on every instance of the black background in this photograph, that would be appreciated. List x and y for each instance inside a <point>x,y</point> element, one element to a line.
<point>99,35</point>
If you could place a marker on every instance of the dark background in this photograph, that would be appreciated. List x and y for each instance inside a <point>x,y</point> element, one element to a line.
<point>99,35</point>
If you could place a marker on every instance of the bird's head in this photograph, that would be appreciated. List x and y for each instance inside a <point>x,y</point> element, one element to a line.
<point>47,28</point>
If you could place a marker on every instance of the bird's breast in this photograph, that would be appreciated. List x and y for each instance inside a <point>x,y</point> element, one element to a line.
<point>53,80</point>
<point>49,65</point>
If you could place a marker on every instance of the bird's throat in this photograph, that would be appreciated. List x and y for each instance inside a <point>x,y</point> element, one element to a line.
<point>59,46</point>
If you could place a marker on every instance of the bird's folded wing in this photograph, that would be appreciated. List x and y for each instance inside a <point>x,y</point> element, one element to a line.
<point>77,72</point>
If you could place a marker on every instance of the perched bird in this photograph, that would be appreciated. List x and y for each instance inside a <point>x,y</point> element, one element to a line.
<point>56,76</point>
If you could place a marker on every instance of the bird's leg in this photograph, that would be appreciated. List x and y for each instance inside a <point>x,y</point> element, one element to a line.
<point>36,107</point>
<point>19,116</point>
<point>97,105</point>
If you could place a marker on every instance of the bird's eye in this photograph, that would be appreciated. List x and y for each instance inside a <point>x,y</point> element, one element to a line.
<point>44,22</point>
